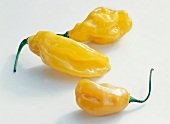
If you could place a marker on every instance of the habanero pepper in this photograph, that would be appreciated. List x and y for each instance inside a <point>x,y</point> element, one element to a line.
<point>66,55</point>
<point>102,26</point>
<point>104,99</point>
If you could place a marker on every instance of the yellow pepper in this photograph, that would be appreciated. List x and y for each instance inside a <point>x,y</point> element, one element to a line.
<point>66,55</point>
<point>104,99</point>
<point>102,26</point>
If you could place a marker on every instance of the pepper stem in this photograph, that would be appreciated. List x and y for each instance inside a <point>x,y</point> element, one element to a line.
<point>23,43</point>
<point>64,35</point>
<point>132,99</point>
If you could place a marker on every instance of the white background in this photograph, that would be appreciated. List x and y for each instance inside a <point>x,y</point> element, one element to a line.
<point>37,94</point>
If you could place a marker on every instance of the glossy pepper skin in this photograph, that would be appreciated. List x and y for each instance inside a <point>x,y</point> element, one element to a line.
<point>102,26</point>
<point>67,55</point>
<point>103,99</point>
<point>100,99</point>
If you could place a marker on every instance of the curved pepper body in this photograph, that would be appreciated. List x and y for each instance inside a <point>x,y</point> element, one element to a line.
<point>102,26</point>
<point>67,55</point>
<point>100,99</point>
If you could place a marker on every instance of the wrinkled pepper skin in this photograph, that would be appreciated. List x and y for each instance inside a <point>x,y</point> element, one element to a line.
<point>100,99</point>
<point>68,56</point>
<point>102,26</point>
<point>105,99</point>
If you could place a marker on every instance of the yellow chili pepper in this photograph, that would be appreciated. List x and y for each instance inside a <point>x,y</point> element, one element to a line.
<point>102,26</point>
<point>66,55</point>
<point>104,99</point>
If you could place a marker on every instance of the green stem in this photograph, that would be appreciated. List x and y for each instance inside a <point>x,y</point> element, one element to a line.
<point>132,99</point>
<point>64,35</point>
<point>23,43</point>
